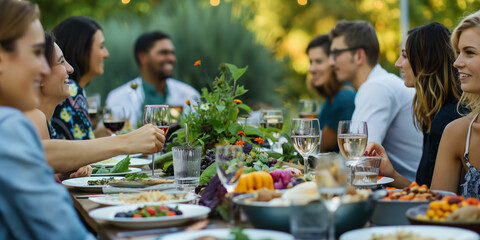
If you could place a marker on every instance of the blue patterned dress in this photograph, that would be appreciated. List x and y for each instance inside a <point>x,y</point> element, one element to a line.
<point>471,187</point>
<point>70,119</point>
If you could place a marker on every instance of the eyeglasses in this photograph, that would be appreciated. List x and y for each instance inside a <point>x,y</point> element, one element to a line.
<point>335,52</point>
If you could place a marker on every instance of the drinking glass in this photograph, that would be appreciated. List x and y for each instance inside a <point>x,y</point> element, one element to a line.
<point>229,161</point>
<point>272,119</point>
<point>305,135</point>
<point>308,108</point>
<point>93,107</point>
<point>114,118</point>
<point>159,116</point>
<point>331,177</point>
<point>352,140</point>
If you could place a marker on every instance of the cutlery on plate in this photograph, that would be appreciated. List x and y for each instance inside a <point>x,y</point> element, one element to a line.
<point>87,196</point>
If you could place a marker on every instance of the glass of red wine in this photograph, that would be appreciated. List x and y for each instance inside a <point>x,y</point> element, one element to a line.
<point>114,118</point>
<point>159,116</point>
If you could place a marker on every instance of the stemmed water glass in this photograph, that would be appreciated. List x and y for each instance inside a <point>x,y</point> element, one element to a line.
<point>305,135</point>
<point>159,116</point>
<point>331,179</point>
<point>352,140</point>
<point>114,118</point>
<point>229,161</point>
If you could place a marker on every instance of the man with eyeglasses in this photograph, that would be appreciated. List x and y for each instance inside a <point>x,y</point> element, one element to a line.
<point>382,100</point>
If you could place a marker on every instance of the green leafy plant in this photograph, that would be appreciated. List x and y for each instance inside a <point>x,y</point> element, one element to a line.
<point>214,120</point>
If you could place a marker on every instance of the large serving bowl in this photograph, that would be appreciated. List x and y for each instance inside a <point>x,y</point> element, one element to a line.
<point>392,212</point>
<point>263,215</point>
<point>412,214</point>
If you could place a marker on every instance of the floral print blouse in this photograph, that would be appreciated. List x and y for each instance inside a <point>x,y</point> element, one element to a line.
<point>70,119</point>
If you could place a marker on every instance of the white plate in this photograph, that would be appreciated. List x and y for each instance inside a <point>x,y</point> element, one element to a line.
<point>443,233</point>
<point>385,180</point>
<point>252,234</point>
<point>190,212</point>
<point>114,199</point>
<point>134,162</point>
<point>82,183</point>
<point>132,170</point>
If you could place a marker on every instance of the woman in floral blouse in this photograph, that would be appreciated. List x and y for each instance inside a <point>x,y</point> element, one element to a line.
<point>82,41</point>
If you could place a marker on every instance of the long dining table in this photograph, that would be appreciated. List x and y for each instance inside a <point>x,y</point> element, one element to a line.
<point>106,231</point>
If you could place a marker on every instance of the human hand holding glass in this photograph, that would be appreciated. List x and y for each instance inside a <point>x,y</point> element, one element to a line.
<point>229,163</point>
<point>159,116</point>
<point>305,136</point>
<point>331,177</point>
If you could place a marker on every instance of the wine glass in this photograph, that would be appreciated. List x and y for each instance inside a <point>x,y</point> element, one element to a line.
<point>159,116</point>
<point>305,135</point>
<point>114,118</point>
<point>272,119</point>
<point>352,140</point>
<point>308,108</point>
<point>331,177</point>
<point>93,106</point>
<point>229,161</point>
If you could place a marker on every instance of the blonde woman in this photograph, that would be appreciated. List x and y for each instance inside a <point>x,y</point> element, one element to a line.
<point>458,159</point>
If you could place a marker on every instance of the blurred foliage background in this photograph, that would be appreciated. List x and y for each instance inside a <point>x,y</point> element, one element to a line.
<point>270,36</point>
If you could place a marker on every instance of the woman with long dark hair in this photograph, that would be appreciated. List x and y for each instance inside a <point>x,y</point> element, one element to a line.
<point>426,63</point>
<point>81,40</point>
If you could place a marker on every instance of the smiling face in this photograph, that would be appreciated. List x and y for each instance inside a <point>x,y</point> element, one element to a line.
<point>55,85</point>
<point>342,62</point>
<point>161,58</point>
<point>320,68</point>
<point>468,60</point>
<point>405,68</point>
<point>22,70</point>
<point>98,53</point>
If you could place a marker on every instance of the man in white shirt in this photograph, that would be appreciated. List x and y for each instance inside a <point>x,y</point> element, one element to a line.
<point>155,55</point>
<point>382,100</point>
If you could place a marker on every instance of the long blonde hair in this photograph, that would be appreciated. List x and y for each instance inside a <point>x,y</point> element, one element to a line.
<point>431,57</point>
<point>470,100</point>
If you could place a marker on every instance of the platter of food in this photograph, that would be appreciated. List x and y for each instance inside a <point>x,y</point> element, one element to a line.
<point>150,216</point>
<point>134,162</point>
<point>89,184</point>
<point>398,201</point>
<point>226,234</point>
<point>454,211</point>
<point>136,180</point>
<point>149,198</point>
<point>410,232</point>
<point>130,170</point>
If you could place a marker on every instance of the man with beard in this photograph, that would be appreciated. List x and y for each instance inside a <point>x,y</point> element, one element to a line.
<point>155,55</point>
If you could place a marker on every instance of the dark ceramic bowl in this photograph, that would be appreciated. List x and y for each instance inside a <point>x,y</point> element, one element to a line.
<point>412,214</point>
<point>262,215</point>
<point>392,212</point>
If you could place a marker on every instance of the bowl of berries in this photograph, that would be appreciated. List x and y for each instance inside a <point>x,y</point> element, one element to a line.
<point>149,216</point>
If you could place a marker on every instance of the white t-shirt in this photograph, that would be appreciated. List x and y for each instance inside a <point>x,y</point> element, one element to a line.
<point>132,99</point>
<point>386,104</point>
